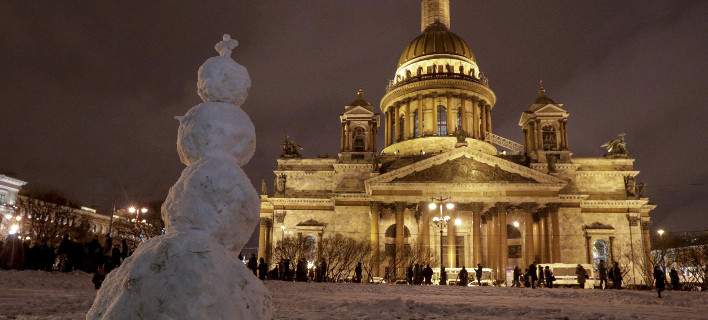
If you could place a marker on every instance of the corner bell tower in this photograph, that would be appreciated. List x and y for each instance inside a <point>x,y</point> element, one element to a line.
<point>359,127</point>
<point>545,131</point>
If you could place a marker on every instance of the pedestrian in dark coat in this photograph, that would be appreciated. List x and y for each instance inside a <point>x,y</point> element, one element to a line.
<point>357,273</point>
<point>443,276</point>
<point>515,281</point>
<point>674,277</point>
<point>541,281</point>
<point>417,274</point>
<point>262,269</point>
<point>659,280</point>
<point>253,264</point>
<point>98,277</point>
<point>602,272</point>
<point>616,276</point>
<point>409,275</point>
<point>478,273</point>
<point>582,275</point>
<point>463,277</point>
<point>548,274</point>
<point>428,274</point>
<point>533,273</point>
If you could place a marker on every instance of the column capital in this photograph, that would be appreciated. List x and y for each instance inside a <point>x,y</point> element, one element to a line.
<point>266,221</point>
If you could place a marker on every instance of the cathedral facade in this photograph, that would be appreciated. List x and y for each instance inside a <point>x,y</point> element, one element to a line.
<point>441,180</point>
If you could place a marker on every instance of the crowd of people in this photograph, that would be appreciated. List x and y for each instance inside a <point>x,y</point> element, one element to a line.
<point>94,256</point>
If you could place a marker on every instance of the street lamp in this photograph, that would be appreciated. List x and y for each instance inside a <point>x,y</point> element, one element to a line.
<point>660,232</point>
<point>516,224</point>
<point>441,221</point>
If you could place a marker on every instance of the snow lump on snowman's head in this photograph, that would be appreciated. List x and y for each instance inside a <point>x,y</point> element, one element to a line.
<point>221,79</point>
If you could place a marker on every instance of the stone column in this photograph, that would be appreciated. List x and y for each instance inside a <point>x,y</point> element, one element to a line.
<point>588,255</point>
<point>421,116</point>
<point>400,233</point>
<point>396,125</point>
<point>528,247</point>
<point>475,119</point>
<point>503,246</point>
<point>407,125</point>
<point>450,116</point>
<point>488,109</point>
<point>555,238</point>
<point>482,121</point>
<point>451,243</point>
<point>374,235</point>
<point>492,240</point>
<point>543,229</point>
<point>265,223</point>
<point>477,238</point>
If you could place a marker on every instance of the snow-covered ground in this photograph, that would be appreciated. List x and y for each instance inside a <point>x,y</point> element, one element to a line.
<point>41,295</point>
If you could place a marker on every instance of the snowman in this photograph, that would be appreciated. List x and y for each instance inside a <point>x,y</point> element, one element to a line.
<point>192,272</point>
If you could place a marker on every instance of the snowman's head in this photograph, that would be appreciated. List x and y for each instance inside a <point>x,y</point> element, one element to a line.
<point>216,129</point>
<point>221,79</point>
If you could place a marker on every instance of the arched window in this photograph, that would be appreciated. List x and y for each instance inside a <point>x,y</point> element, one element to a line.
<point>462,70</point>
<point>416,132</point>
<point>512,232</point>
<point>459,118</point>
<point>599,252</point>
<point>549,137</point>
<point>359,137</point>
<point>408,74</point>
<point>420,71</point>
<point>442,121</point>
<point>401,128</point>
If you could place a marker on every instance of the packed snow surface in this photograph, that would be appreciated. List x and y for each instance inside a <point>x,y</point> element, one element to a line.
<point>42,295</point>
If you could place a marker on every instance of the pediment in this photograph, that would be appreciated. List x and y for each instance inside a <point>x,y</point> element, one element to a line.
<point>464,170</point>
<point>357,110</point>
<point>465,165</point>
<point>550,108</point>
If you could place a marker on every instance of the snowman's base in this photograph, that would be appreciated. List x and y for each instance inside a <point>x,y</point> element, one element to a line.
<point>182,276</point>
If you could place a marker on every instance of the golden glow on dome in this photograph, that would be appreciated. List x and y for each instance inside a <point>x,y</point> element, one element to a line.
<point>436,39</point>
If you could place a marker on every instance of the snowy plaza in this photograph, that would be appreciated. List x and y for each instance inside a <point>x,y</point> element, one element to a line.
<point>40,295</point>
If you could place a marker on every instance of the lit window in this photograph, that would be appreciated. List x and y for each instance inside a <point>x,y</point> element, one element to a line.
<point>442,121</point>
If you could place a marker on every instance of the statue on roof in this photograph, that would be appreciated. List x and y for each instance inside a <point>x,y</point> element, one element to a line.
<point>290,149</point>
<point>616,148</point>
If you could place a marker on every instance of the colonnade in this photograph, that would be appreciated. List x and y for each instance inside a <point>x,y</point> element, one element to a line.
<point>484,228</point>
<point>401,118</point>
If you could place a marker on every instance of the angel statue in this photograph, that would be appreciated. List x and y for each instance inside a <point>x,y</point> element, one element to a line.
<point>616,148</point>
<point>290,149</point>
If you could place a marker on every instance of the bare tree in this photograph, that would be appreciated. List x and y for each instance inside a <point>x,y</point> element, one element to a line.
<point>341,255</point>
<point>48,221</point>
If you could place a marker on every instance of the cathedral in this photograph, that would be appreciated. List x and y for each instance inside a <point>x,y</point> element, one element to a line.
<point>442,180</point>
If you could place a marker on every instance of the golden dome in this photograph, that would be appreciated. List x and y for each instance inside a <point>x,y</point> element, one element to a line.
<point>436,39</point>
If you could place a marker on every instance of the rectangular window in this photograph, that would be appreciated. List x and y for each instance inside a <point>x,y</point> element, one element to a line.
<point>3,197</point>
<point>416,132</point>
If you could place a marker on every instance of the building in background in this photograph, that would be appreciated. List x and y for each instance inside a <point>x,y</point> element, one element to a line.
<point>9,188</point>
<point>511,203</point>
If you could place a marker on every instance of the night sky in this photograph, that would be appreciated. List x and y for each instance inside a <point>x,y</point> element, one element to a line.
<point>89,89</point>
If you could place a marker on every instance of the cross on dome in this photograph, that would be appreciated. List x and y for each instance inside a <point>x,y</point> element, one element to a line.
<point>226,46</point>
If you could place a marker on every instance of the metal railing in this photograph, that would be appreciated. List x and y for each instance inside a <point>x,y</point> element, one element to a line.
<point>505,143</point>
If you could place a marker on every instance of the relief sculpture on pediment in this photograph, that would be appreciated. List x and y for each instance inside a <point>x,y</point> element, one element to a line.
<point>463,170</point>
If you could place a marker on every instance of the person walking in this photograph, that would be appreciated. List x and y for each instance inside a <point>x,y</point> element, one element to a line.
<point>262,269</point>
<point>463,277</point>
<point>253,264</point>
<point>674,277</point>
<point>517,274</point>
<point>428,274</point>
<point>533,274</point>
<point>616,276</point>
<point>582,275</point>
<point>548,275</point>
<point>659,280</point>
<point>357,273</point>
<point>409,275</point>
<point>602,271</point>
<point>541,281</point>
<point>417,274</point>
<point>478,273</point>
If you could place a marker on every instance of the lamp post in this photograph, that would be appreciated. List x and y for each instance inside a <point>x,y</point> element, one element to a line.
<point>441,221</point>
